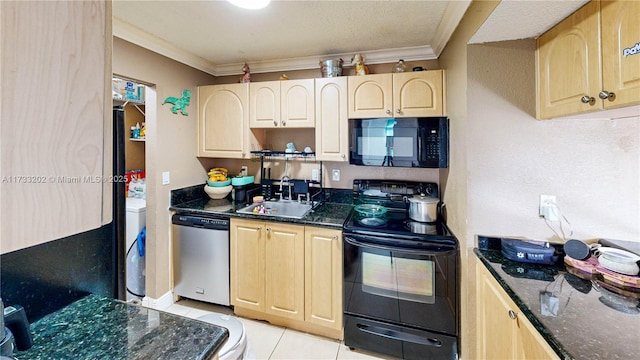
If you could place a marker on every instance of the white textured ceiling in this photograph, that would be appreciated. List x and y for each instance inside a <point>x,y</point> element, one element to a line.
<point>216,37</point>
<point>518,19</point>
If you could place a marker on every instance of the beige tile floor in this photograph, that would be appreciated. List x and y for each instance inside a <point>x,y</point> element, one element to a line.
<point>267,341</point>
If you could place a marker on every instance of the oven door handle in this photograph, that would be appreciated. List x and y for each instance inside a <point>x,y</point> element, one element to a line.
<point>397,335</point>
<point>360,244</point>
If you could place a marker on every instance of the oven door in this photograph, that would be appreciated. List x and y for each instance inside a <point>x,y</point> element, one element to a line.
<point>414,287</point>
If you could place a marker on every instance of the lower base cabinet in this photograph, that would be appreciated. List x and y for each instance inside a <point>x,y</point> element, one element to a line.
<point>289,275</point>
<point>503,331</point>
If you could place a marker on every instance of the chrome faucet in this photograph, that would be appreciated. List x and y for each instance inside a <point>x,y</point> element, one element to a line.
<point>285,180</point>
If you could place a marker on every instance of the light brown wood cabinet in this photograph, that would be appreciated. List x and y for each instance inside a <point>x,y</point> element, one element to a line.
<point>247,252</point>
<point>581,64</point>
<point>289,275</point>
<point>56,114</point>
<point>223,121</point>
<point>323,277</point>
<point>332,121</point>
<point>409,94</point>
<point>284,270</point>
<point>503,332</point>
<point>282,104</point>
<point>267,263</point>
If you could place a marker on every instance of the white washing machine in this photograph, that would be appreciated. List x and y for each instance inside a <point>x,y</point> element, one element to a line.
<point>136,219</point>
<point>237,346</point>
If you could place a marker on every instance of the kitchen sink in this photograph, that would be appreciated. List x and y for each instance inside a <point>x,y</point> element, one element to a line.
<point>283,208</point>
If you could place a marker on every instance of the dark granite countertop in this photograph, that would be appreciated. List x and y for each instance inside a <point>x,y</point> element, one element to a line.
<point>591,322</point>
<point>332,213</point>
<point>96,327</point>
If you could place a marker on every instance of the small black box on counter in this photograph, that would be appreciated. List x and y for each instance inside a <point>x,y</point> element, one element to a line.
<point>528,251</point>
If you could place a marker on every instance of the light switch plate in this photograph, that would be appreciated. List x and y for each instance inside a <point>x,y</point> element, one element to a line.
<point>166,178</point>
<point>314,175</point>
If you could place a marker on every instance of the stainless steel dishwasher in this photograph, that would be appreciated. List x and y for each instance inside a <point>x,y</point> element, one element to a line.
<point>201,258</point>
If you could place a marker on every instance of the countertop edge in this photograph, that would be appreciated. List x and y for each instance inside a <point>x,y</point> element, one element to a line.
<point>544,332</point>
<point>303,221</point>
<point>214,348</point>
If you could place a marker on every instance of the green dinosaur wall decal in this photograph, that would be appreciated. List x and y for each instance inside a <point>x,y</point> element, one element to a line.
<point>179,103</point>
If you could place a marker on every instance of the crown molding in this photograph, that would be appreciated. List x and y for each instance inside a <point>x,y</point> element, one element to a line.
<point>452,17</point>
<point>135,35</point>
<point>313,62</point>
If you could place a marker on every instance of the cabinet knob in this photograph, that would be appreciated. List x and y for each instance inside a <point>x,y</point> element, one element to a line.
<point>259,228</point>
<point>275,123</point>
<point>284,123</point>
<point>268,228</point>
<point>588,100</point>
<point>512,314</point>
<point>343,156</point>
<point>388,112</point>
<point>335,237</point>
<point>604,95</point>
<point>397,111</point>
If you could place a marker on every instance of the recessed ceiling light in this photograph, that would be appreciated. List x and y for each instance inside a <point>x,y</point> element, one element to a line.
<point>250,4</point>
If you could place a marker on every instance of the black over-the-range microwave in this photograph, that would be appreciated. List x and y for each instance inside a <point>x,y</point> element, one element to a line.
<point>400,142</point>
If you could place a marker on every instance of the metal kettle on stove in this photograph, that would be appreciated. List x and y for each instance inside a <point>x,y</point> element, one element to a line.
<point>14,330</point>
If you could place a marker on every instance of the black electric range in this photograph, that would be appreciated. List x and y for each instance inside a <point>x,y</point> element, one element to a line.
<point>400,277</point>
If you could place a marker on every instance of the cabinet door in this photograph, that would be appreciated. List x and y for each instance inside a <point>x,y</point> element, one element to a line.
<point>496,330</point>
<point>323,277</point>
<point>370,96</point>
<point>264,98</point>
<point>223,120</point>
<point>503,332</point>
<point>56,114</point>
<point>568,63</point>
<point>247,264</point>
<point>620,64</point>
<point>297,103</point>
<point>332,122</point>
<point>418,94</point>
<point>284,271</point>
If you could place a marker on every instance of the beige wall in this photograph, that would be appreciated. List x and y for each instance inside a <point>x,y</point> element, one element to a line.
<point>503,159</point>
<point>590,162</point>
<point>454,60</point>
<point>170,146</point>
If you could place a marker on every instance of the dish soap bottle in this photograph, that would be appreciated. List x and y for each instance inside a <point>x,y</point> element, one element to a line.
<point>399,67</point>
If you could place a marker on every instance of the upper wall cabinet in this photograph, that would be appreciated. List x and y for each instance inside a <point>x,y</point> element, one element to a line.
<point>332,126</point>
<point>56,120</point>
<point>223,120</point>
<point>586,62</point>
<point>288,103</point>
<point>620,53</point>
<point>409,94</point>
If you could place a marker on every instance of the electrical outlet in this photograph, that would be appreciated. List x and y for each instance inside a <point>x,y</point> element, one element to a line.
<point>166,178</point>
<point>314,175</point>
<point>243,170</point>
<point>548,207</point>
<point>335,175</point>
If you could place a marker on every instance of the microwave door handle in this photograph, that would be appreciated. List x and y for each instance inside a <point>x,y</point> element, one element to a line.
<point>420,151</point>
<point>359,244</point>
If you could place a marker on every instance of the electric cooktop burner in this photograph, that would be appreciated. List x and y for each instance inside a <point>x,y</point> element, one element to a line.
<point>372,222</point>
